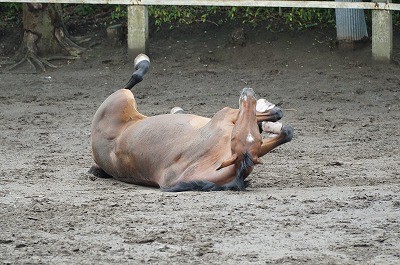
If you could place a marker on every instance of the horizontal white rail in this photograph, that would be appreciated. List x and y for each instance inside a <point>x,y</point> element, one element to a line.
<point>254,3</point>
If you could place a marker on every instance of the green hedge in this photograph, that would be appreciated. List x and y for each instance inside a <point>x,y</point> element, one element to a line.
<point>175,16</point>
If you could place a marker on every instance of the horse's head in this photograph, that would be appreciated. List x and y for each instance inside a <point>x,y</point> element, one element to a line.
<point>246,139</point>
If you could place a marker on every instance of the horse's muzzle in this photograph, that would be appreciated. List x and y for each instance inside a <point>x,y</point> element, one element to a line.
<point>247,92</point>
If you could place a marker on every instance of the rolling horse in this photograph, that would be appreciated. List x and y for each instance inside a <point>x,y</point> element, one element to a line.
<point>182,152</point>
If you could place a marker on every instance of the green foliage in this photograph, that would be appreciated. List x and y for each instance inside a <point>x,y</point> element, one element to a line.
<point>271,18</point>
<point>302,18</point>
<point>119,12</point>
<point>175,16</point>
<point>180,15</point>
<point>84,10</point>
<point>10,11</point>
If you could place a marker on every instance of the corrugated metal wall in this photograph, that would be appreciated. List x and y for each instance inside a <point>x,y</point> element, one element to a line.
<point>350,23</point>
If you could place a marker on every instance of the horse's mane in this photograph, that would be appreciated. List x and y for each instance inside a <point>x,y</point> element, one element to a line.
<point>238,184</point>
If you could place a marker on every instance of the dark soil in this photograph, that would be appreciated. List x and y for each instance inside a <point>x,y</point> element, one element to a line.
<point>331,196</point>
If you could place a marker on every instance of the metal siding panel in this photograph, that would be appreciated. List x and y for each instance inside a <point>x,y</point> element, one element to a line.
<point>350,23</point>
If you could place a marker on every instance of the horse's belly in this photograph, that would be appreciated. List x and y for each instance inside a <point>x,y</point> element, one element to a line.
<point>145,150</point>
<point>161,150</point>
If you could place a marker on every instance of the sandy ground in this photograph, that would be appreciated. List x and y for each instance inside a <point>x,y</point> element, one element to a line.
<point>331,196</point>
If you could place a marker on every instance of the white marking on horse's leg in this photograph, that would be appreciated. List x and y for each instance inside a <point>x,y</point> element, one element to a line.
<point>177,110</point>
<point>271,127</point>
<point>141,57</point>
<point>263,105</point>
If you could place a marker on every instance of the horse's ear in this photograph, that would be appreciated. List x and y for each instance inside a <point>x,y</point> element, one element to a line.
<point>228,162</point>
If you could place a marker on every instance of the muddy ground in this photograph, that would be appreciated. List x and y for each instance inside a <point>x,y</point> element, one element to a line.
<point>331,196</point>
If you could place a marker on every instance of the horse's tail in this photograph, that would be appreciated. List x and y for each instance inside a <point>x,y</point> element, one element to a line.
<point>238,184</point>
<point>142,65</point>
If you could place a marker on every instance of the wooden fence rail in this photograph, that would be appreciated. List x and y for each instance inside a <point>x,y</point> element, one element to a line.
<point>382,29</point>
<point>255,3</point>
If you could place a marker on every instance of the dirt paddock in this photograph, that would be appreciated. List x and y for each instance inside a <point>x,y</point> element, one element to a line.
<point>331,196</point>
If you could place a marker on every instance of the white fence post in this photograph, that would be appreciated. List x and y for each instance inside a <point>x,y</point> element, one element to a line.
<point>138,30</point>
<point>382,35</point>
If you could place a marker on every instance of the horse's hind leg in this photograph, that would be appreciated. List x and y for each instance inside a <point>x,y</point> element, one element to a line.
<point>142,65</point>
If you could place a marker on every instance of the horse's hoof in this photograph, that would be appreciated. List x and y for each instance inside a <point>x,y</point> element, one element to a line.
<point>263,105</point>
<point>288,131</point>
<point>177,110</point>
<point>140,58</point>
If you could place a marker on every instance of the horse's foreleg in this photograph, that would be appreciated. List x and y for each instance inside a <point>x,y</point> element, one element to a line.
<point>274,114</point>
<point>285,135</point>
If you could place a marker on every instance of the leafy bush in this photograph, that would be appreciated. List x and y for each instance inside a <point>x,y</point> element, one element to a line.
<point>84,10</point>
<point>119,12</point>
<point>175,16</point>
<point>10,11</point>
<point>292,18</point>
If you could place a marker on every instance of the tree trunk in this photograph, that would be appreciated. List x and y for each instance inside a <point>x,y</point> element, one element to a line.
<point>42,20</point>
<point>44,34</point>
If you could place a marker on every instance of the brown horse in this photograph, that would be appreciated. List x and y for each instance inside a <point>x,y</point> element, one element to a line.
<point>180,152</point>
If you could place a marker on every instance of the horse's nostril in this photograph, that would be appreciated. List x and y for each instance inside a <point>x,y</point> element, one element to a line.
<point>247,91</point>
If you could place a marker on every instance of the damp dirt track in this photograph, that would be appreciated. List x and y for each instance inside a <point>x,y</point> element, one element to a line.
<point>332,195</point>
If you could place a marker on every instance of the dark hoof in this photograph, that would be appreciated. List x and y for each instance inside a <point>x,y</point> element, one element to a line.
<point>98,172</point>
<point>287,130</point>
<point>276,114</point>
